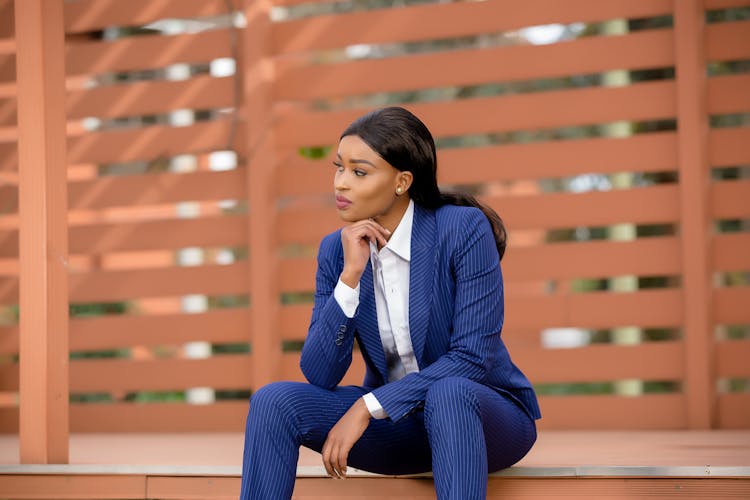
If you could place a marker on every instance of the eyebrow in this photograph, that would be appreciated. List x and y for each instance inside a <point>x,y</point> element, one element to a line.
<point>355,160</point>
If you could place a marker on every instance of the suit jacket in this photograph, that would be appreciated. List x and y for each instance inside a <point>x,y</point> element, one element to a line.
<point>455,316</point>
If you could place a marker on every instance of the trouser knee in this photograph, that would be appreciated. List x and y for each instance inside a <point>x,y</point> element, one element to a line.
<point>448,397</point>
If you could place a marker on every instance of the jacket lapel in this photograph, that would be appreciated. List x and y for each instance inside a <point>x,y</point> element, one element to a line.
<point>367,321</point>
<point>421,273</point>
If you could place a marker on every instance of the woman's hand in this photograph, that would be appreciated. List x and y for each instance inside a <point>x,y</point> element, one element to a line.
<point>342,437</point>
<point>356,240</point>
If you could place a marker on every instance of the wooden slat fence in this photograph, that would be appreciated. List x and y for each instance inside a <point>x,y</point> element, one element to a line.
<point>576,143</point>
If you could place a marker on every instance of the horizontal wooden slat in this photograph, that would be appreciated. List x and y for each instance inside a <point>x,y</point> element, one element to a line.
<point>733,359</point>
<point>423,22</point>
<point>147,235</point>
<point>728,146</point>
<point>649,205</point>
<point>137,99</point>
<point>653,152</point>
<point>146,52</point>
<point>114,286</point>
<point>116,332</point>
<point>731,305</point>
<point>646,308</point>
<point>599,363</point>
<point>93,15</point>
<point>593,259</point>
<point>728,94</point>
<point>165,374</point>
<point>140,144</point>
<point>224,416</point>
<point>65,487</point>
<point>153,189</point>
<point>728,41</point>
<point>734,410</point>
<point>542,110</point>
<point>662,411</point>
<point>648,49</point>
<point>724,4</point>
<point>729,199</point>
<point>731,252</point>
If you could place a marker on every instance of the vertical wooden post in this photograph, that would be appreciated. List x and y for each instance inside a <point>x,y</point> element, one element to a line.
<point>43,210</point>
<point>257,74</point>
<point>695,229</point>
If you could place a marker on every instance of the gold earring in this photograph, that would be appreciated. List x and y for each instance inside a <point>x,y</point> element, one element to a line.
<point>398,190</point>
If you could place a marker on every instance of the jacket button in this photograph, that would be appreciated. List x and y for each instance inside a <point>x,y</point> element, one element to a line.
<point>342,328</point>
<point>339,341</point>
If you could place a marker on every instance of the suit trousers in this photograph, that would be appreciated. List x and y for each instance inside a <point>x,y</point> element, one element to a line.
<point>465,431</point>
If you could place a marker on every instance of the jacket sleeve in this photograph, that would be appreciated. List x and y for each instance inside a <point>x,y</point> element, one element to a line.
<point>477,322</point>
<point>327,352</point>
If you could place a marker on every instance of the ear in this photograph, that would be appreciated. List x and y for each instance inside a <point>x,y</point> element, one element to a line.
<point>405,180</point>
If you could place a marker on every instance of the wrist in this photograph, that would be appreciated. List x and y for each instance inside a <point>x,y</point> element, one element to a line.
<point>350,277</point>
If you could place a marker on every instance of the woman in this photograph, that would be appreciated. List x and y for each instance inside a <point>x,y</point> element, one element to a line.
<point>414,278</point>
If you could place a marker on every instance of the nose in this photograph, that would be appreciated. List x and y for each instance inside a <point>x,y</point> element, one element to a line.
<point>339,182</point>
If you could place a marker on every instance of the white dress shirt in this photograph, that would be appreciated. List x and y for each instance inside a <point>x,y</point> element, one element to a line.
<point>390,272</point>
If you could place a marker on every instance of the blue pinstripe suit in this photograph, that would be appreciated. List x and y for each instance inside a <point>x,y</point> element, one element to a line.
<point>469,409</point>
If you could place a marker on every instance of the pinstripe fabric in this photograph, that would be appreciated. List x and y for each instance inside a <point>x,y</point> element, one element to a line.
<point>478,406</point>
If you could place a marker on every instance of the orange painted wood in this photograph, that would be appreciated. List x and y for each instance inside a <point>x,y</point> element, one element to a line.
<point>74,488</point>
<point>728,94</point>
<point>160,374</point>
<point>729,199</point>
<point>653,152</point>
<point>649,205</point>
<point>728,41</point>
<point>143,98</point>
<point>43,245</point>
<point>595,259</point>
<point>192,488</point>
<point>723,4</point>
<point>146,52</point>
<point>258,80</point>
<point>730,305</point>
<point>733,410</point>
<point>728,146</point>
<point>599,363</point>
<point>92,15</point>
<point>210,231</point>
<point>648,49</point>
<point>646,308</point>
<point>729,252</point>
<point>113,286</point>
<point>562,108</point>
<point>219,326</point>
<point>653,412</point>
<point>7,16</point>
<point>154,189</point>
<point>147,143</point>
<point>221,416</point>
<point>424,22</point>
<point>692,150</point>
<point>732,359</point>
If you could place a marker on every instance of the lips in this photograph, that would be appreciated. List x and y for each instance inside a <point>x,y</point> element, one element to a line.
<point>342,202</point>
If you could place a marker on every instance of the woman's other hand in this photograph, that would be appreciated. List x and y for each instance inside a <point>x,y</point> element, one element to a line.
<point>356,240</point>
<point>342,437</point>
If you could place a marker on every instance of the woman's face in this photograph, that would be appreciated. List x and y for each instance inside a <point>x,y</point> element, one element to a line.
<point>365,184</point>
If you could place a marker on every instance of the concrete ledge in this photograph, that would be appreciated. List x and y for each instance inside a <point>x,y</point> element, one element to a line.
<point>311,471</point>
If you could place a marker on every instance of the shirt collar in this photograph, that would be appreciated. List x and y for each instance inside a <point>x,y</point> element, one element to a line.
<point>400,241</point>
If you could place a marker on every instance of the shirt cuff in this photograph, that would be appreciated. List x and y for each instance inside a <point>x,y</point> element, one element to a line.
<point>373,406</point>
<point>347,298</point>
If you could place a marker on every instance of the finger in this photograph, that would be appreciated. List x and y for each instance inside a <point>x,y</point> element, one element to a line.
<point>326,453</point>
<point>335,463</point>
<point>343,456</point>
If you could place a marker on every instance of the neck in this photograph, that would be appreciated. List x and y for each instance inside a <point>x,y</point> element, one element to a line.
<point>391,219</point>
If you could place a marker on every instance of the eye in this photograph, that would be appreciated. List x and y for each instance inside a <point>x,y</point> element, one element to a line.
<point>338,166</point>
<point>360,173</point>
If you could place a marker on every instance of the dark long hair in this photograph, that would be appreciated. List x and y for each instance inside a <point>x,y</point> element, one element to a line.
<point>402,140</point>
